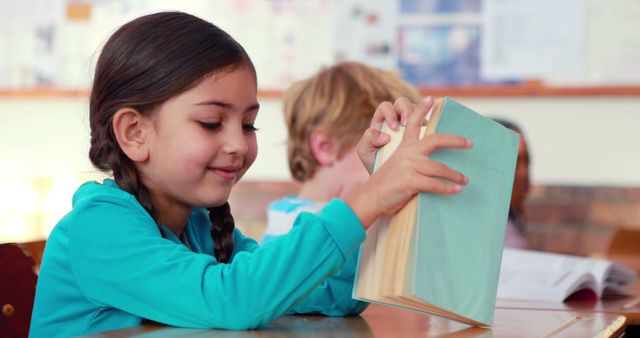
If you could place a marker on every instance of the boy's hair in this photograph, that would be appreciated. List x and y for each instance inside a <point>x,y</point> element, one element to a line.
<point>143,64</point>
<point>339,101</point>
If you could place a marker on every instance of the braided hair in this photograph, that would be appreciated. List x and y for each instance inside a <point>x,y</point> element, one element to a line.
<point>143,64</point>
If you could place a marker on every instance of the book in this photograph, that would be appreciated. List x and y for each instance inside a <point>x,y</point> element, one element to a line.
<point>549,277</point>
<point>440,254</point>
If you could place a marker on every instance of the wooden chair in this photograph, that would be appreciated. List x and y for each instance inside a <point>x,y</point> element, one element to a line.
<point>35,249</point>
<point>625,248</point>
<point>17,290</point>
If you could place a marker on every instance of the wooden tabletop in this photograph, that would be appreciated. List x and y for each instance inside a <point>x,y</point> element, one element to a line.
<point>628,306</point>
<point>382,321</point>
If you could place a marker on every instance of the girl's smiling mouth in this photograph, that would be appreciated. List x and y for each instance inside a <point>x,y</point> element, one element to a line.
<point>228,173</point>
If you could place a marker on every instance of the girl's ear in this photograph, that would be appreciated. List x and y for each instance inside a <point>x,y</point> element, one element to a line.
<point>129,129</point>
<point>323,148</point>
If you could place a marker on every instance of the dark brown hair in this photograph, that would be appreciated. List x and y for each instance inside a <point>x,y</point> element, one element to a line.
<point>143,64</point>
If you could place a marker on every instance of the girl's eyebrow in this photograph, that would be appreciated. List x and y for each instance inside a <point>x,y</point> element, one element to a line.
<point>227,105</point>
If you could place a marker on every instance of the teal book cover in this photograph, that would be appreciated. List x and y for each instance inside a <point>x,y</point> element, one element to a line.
<point>455,248</point>
<point>461,237</point>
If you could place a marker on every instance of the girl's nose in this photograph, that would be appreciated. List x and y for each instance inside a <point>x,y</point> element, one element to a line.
<point>235,142</point>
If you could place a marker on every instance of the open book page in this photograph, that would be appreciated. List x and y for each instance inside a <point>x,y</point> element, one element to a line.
<point>532,275</point>
<point>620,280</point>
<point>398,257</point>
<point>369,270</point>
<point>540,285</point>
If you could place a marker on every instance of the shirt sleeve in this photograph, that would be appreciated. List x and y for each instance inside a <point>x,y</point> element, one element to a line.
<point>119,260</point>
<point>333,297</point>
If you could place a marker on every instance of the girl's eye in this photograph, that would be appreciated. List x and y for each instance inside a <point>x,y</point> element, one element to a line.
<point>210,126</point>
<point>250,127</point>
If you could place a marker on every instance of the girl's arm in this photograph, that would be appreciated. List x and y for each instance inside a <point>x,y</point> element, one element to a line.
<point>333,297</point>
<point>120,261</point>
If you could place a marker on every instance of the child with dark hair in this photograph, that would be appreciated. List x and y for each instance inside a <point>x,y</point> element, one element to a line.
<point>516,233</point>
<point>172,112</point>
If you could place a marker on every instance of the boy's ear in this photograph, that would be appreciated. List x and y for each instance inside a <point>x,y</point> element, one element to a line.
<point>323,148</point>
<point>129,127</point>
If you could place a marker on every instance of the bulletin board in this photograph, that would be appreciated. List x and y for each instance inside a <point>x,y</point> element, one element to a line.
<point>445,47</point>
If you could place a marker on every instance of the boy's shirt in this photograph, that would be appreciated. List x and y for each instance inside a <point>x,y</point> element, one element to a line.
<point>281,216</point>
<point>282,213</point>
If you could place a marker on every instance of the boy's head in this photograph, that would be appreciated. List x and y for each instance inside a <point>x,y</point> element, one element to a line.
<point>521,182</point>
<point>339,103</point>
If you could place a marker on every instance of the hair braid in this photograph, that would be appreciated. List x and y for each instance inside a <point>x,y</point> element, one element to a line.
<point>107,156</point>
<point>128,179</point>
<point>222,225</point>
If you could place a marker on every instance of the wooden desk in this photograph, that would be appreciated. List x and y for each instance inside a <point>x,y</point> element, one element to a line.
<point>624,306</point>
<point>380,321</point>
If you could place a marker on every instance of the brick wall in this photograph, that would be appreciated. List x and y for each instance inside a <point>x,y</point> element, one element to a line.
<point>580,220</point>
<point>567,219</point>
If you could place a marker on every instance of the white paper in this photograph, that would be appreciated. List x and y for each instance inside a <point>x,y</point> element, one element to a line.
<point>614,42</point>
<point>523,39</point>
<point>544,276</point>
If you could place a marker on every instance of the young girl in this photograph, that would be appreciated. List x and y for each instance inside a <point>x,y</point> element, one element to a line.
<point>172,113</point>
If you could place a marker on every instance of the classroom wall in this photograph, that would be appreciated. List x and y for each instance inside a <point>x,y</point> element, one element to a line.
<point>573,140</point>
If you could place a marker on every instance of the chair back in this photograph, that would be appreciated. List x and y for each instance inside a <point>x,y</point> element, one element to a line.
<point>17,290</point>
<point>625,248</point>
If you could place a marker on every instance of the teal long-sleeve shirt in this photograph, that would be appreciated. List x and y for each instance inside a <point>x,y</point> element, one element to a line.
<point>106,266</point>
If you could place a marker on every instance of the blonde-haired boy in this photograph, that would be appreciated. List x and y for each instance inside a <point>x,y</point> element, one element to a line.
<point>326,115</point>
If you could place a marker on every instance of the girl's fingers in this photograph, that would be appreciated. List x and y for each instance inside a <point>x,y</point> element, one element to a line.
<point>436,169</point>
<point>385,112</point>
<point>416,119</point>
<point>371,141</point>
<point>434,142</point>
<point>436,186</point>
<point>404,107</point>
<point>376,138</point>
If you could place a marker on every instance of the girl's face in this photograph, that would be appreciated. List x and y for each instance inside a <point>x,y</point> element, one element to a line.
<point>203,140</point>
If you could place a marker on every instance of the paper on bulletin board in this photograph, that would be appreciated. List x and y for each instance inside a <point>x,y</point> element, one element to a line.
<point>524,39</point>
<point>614,42</point>
<point>32,12</point>
<point>26,53</point>
<point>365,31</point>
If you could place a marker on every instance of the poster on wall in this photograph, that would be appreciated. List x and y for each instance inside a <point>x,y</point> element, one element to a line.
<point>439,6</point>
<point>439,43</point>
<point>439,55</point>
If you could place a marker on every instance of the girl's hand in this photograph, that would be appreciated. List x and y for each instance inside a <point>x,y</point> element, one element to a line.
<point>408,171</point>
<point>395,114</point>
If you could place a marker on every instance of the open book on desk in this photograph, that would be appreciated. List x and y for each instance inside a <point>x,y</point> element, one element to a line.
<point>440,254</point>
<point>548,277</point>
